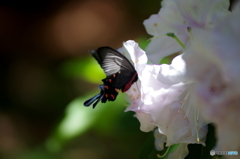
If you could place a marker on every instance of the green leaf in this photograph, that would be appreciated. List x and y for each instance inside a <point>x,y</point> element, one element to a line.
<point>168,150</point>
<point>82,68</point>
<point>37,153</point>
<point>143,42</point>
<point>168,59</point>
<point>79,119</point>
<point>148,149</point>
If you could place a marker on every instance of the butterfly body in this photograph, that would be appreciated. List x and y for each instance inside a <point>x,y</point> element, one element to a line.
<point>120,74</point>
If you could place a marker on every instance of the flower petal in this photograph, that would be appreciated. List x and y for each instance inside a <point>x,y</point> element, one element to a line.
<point>178,17</point>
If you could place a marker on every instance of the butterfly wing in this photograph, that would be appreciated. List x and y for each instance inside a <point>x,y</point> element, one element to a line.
<point>111,60</point>
<point>120,79</point>
<point>120,74</point>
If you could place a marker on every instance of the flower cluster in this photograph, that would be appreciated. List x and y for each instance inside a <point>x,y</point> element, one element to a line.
<point>200,86</point>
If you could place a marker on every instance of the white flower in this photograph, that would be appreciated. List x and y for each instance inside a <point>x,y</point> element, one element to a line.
<point>177,16</point>
<point>212,60</point>
<point>162,98</point>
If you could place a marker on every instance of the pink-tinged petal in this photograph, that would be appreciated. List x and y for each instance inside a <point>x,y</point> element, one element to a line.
<point>168,19</point>
<point>167,115</point>
<point>145,121</point>
<point>158,99</point>
<point>156,26</point>
<point>134,97</point>
<point>204,13</point>
<point>174,126</point>
<point>218,11</point>
<point>177,16</point>
<point>160,47</point>
<point>174,73</point>
<point>179,64</point>
<point>228,128</point>
<point>137,55</point>
<point>160,139</point>
<point>212,60</point>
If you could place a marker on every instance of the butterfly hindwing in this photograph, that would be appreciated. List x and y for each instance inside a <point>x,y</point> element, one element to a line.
<point>120,79</point>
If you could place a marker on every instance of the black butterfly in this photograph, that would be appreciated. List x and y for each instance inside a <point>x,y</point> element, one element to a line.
<point>119,71</point>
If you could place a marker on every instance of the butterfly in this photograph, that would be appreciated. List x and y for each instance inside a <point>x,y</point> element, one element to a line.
<point>120,75</point>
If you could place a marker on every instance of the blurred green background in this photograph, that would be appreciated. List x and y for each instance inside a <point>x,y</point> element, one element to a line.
<point>47,74</point>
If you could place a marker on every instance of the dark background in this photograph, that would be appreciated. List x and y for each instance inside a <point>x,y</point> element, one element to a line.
<point>47,73</point>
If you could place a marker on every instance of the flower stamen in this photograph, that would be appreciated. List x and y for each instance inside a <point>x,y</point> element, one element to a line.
<point>196,114</point>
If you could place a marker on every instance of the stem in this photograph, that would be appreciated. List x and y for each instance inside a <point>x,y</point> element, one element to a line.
<point>176,38</point>
<point>196,123</point>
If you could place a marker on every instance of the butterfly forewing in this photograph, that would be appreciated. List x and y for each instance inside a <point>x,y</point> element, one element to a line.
<point>111,60</point>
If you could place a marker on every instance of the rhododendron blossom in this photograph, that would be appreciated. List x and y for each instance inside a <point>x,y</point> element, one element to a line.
<point>179,17</point>
<point>213,61</point>
<point>200,86</point>
<point>161,98</point>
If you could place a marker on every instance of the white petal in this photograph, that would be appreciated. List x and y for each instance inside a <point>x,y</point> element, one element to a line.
<point>145,121</point>
<point>161,47</point>
<point>137,55</point>
<point>160,104</point>
<point>174,73</point>
<point>160,139</point>
<point>177,16</point>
